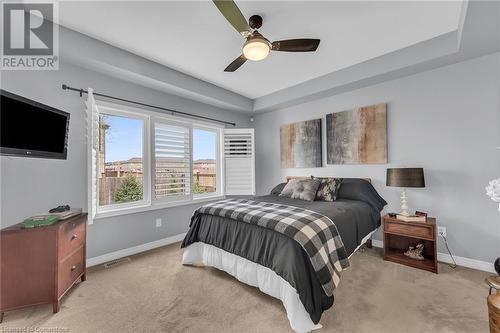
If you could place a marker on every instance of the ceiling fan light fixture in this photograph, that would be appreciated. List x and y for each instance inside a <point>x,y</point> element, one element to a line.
<point>256,49</point>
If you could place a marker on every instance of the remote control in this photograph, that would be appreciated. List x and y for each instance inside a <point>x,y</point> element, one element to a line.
<point>59,209</point>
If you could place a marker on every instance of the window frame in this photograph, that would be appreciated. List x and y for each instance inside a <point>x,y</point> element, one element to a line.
<point>166,200</point>
<point>149,201</point>
<point>219,132</point>
<point>146,188</point>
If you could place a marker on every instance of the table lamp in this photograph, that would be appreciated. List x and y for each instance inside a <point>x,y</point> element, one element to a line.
<point>405,177</point>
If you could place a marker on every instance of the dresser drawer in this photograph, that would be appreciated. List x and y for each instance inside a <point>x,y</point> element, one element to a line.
<point>418,231</point>
<point>69,270</point>
<point>71,237</point>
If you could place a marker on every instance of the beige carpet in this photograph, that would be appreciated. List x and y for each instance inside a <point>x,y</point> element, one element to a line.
<point>155,293</point>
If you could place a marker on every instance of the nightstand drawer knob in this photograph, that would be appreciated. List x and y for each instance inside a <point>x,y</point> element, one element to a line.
<point>73,268</point>
<point>74,237</point>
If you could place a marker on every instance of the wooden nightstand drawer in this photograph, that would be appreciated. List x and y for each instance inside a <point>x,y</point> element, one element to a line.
<point>71,237</point>
<point>404,228</point>
<point>400,235</point>
<point>70,270</point>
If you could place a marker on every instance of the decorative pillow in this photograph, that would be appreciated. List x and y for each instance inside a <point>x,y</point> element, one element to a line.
<point>361,190</point>
<point>278,188</point>
<point>328,189</point>
<point>303,189</point>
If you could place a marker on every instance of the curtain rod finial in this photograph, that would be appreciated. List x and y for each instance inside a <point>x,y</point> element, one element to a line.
<point>64,87</point>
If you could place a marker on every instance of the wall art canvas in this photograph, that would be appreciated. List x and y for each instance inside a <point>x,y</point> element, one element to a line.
<point>357,136</point>
<point>300,144</point>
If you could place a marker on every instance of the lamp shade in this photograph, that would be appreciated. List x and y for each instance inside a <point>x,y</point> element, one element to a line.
<point>405,177</point>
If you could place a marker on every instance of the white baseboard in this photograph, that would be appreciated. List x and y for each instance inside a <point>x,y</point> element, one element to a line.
<point>378,243</point>
<point>461,261</point>
<point>442,257</point>
<point>134,250</point>
<point>467,262</point>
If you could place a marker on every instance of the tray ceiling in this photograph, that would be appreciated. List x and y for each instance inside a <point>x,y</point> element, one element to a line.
<point>194,38</point>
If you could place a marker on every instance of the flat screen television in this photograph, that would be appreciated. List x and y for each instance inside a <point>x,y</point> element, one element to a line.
<point>32,129</point>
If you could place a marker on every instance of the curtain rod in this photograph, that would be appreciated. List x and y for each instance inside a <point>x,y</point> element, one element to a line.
<point>82,91</point>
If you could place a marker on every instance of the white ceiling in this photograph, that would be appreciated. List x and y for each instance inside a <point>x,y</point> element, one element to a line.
<point>194,38</point>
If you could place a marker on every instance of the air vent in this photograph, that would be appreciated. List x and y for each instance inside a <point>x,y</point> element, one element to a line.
<point>116,262</point>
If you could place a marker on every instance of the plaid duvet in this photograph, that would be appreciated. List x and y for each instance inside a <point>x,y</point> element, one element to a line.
<point>316,233</point>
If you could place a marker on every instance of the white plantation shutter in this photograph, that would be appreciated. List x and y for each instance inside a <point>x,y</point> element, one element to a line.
<point>172,161</point>
<point>92,153</point>
<point>239,161</point>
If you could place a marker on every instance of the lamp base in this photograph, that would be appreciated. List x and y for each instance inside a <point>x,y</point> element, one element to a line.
<point>404,204</point>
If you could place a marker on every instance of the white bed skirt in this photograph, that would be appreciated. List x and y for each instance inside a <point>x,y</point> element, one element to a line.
<point>255,275</point>
<point>258,276</point>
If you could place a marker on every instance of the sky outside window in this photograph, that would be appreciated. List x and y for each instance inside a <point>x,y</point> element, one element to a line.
<point>204,144</point>
<point>124,140</point>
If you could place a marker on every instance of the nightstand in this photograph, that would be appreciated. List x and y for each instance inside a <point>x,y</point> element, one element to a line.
<point>399,235</point>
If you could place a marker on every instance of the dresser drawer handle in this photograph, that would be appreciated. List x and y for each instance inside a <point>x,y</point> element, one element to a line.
<point>74,237</point>
<point>73,268</point>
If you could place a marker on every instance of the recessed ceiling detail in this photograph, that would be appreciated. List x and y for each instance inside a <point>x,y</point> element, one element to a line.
<point>193,37</point>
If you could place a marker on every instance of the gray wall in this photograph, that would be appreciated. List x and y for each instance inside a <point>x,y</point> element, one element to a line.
<point>32,186</point>
<point>444,120</point>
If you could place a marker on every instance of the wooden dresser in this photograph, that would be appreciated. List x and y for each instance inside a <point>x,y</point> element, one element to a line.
<point>40,265</point>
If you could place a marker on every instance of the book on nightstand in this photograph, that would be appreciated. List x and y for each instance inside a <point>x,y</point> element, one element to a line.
<point>411,218</point>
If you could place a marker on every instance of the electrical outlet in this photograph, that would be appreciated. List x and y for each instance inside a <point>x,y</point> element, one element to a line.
<point>158,223</point>
<point>442,231</point>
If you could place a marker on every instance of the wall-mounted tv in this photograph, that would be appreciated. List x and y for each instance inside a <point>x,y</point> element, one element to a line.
<point>32,129</point>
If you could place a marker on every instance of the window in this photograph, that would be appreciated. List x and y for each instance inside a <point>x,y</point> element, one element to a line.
<point>205,157</point>
<point>121,172</point>
<point>142,160</point>
<point>172,161</point>
<point>239,160</point>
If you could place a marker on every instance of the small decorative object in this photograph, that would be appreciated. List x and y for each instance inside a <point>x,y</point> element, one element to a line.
<point>415,252</point>
<point>405,177</point>
<point>493,191</point>
<point>418,213</point>
<point>357,136</point>
<point>300,144</point>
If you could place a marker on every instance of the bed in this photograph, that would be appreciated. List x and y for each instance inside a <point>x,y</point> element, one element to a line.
<point>274,262</point>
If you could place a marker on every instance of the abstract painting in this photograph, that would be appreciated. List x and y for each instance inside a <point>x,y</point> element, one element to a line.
<point>357,136</point>
<point>301,144</point>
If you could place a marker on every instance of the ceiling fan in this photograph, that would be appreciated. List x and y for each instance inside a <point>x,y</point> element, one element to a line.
<point>257,47</point>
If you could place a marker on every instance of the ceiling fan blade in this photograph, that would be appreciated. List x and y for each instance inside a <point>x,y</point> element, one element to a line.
<point>296,45</point>
<point>233,14</point>
<point>236,64</point>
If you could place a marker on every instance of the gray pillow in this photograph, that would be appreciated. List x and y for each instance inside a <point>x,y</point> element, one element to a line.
<point>278,188</point>
<point>302,189</point>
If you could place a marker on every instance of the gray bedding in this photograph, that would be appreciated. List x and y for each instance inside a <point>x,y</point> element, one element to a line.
<point>354,220</point>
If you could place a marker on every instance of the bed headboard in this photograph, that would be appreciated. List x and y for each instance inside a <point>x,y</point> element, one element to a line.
<point>308,177</point>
